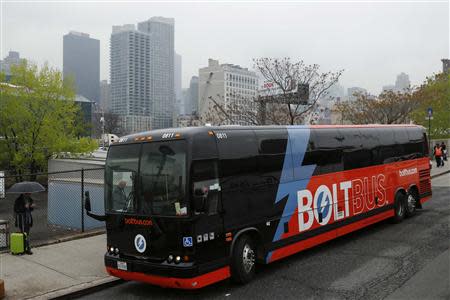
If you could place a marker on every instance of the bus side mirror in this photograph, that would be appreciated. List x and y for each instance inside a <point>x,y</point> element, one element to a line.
<point>87,202</point>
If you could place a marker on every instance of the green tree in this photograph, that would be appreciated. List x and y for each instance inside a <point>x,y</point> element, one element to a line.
<point>434,93</point>
<point>37,118</point>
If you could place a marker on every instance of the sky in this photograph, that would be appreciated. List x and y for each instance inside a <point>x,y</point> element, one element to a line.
<point>372,41</point>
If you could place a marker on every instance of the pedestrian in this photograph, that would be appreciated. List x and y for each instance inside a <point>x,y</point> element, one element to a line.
<point>444,151</point>
<point>23,206</point>
<point>438,155</point>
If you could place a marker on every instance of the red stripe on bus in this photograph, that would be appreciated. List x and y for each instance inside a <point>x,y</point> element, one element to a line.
<point>425,199</point>
<point>172,282</point>
<point>327,236</point>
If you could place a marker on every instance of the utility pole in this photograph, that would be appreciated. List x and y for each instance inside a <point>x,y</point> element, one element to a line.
<point>430,117</point>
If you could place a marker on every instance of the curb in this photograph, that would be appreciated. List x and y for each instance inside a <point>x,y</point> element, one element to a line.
<point>70,238</point>
<point>64,239</point>
<point>79,290</point>
<point>440,174</point>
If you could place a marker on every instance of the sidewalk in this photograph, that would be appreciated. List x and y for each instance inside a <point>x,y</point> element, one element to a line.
<point>437,171</point>
<point>56,269</point>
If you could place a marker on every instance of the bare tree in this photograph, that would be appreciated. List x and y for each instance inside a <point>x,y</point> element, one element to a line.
<point>388,108</point>
<point>284,107</point>
<point>111,123</point>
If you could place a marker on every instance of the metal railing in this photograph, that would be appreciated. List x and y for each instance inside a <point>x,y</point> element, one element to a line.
<point>59,211</point>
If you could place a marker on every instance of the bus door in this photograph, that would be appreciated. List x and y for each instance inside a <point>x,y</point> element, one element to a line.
<point>207,209</point>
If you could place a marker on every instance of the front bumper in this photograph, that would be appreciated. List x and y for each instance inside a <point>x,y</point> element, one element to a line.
<point>182,276</point>
<point>182,270</point>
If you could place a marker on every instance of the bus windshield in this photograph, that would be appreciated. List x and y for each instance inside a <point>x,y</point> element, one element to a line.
<point>147,179</point>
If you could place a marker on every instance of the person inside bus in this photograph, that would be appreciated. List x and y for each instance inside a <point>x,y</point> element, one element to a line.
<point>23,206</point>
<point>119,196</point>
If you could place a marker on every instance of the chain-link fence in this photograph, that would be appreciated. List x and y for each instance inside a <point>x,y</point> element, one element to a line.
<point>59,211</point>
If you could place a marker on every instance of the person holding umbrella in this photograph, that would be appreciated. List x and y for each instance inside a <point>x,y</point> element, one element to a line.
<point>23,206</point>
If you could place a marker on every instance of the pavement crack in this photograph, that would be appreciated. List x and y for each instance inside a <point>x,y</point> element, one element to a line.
<point>48,267</point>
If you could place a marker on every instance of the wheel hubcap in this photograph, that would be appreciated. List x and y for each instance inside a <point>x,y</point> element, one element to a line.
<point>248,258</point>
<point>400,209</point>
<point>411,202</point>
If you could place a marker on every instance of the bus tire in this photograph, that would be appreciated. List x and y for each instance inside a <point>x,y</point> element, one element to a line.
<point>411,202</point>
<point>243,260</point>
<point>399,207</point>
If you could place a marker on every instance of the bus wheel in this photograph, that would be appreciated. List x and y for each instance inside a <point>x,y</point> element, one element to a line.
<point>243,260</point>
<point>399,207</point>
<point>411,202</point>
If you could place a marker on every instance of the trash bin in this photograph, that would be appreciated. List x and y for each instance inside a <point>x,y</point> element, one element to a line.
<point>4,235</point>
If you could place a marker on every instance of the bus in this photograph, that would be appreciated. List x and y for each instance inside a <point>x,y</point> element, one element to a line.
<point>188,207</point>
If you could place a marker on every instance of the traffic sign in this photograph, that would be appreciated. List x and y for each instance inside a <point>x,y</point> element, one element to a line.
<point>430,112</point>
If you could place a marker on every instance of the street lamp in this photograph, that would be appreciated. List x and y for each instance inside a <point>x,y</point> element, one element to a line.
<point>102,120</point>
<point>430,117</point>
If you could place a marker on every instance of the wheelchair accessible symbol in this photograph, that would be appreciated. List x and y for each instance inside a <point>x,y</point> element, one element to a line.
<point>187,241</point>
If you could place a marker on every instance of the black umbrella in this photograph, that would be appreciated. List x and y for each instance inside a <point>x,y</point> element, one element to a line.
<point>26,187</point>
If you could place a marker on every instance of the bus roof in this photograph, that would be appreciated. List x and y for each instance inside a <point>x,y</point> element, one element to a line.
<point>188,132</point>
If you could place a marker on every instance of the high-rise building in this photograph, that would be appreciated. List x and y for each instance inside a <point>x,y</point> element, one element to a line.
<point>162,51</point>
<point>81,62</point>
<point>130,77</point>
<point>227,84</point>
<point>12,59</point>
<point>445,65</point>
<point>105,96</point>
<point>177,85</point>
<point>193,96</point>
<point>142,74</point>
<point>354,91</point>
<point>402,82</point>
<point>185,99</point>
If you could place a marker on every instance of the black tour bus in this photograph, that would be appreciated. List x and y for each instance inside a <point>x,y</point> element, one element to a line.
<point>188,207</point>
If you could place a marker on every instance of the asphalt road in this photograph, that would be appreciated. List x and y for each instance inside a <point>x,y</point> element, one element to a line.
<point>398,261</point>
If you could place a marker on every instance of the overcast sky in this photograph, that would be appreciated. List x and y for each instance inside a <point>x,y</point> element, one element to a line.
<point>371,41</point>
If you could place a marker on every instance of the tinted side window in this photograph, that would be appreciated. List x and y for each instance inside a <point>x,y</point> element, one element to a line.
<point>272,148</point>
<point>387,153</point>
<point>370,146</point>
<point>237,151</point>
<point>325,151</point>
<point>205,178</point>
<point>416,144</point>
<point>351,144</point>
<point>401,143</point>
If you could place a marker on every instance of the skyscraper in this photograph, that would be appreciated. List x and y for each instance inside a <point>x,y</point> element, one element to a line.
<point>177,85</point>
<point>445,65</point>
<point>130,77</point>
<point>105,95</point>
<point>354,91</point>
<point>162,51</point>
<point>193,95</point>
<point>402,82</point>
<point>81,61</point>
<point>12,59</point>
<point>142,74</point>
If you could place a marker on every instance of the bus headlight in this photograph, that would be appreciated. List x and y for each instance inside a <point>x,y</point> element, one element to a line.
<point>170,258</point>
<point>116,251</point>
<point>111,250</point>
<point>177,259</point>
